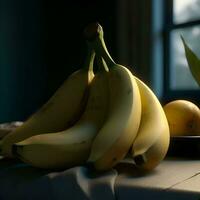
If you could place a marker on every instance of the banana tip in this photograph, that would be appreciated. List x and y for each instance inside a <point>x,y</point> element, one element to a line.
<point>140,160</point>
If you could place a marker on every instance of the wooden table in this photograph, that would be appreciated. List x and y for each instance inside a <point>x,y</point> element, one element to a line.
<point>173,179</point>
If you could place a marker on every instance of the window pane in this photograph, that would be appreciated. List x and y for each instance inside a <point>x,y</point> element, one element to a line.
<point>186,10</point>
<point>180,75</point>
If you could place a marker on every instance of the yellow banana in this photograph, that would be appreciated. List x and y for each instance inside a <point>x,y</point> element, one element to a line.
<point>154,155</point>
<point>72,146</point>
<point>121,125</point>
<point>60,112</point>
<point>152,141</point>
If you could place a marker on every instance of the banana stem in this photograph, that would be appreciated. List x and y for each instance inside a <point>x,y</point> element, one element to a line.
<point>94,35</point>
<point>100,48</point>
<point>89,61</point>
<point>101,63</point>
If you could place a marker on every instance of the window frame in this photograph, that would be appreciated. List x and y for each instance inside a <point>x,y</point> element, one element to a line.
<point>168,26</point>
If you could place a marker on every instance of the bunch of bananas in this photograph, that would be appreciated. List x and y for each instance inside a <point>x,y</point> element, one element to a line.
<point>94,118</point>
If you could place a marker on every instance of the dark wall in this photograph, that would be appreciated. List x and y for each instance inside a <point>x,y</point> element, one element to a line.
<point>41,44</point>
<point>65,45</point>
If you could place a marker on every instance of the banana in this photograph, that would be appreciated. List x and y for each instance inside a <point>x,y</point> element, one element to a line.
<point>61,111</point>
<point>121,125</point>
<point>152,141</point>
<point>154,155</point>
<point>72,146</point>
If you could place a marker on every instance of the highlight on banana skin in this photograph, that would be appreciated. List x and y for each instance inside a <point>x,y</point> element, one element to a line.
<point>99,119</point>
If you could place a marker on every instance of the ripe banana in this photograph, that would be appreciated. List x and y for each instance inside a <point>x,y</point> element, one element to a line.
<point>61,111</point>
<point>121,125</point>
<point>154,155</point>
<point>72,146</point>
<point>152,141</point>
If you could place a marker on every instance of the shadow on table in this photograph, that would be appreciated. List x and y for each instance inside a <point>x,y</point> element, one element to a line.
<point>128,169</point>
<point>15,168</point>
<point>23,181</point>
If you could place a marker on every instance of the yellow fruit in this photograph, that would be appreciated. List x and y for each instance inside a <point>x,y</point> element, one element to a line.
<point>116,136</point>
<point>183,117</point>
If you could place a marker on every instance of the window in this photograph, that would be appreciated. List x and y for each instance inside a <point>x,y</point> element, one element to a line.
<point>182,17</point>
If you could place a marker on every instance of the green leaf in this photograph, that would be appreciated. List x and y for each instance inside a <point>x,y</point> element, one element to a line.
<point>193,61</point>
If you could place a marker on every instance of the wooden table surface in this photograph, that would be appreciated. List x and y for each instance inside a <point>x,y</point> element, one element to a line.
<point>172,179</point>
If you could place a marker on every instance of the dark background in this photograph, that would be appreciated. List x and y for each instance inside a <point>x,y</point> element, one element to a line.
<point>42,43</point>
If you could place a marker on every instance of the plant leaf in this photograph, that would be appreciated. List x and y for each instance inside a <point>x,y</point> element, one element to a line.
<point>193,61</point>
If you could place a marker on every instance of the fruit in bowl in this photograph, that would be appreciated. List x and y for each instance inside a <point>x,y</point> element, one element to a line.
<point>183,117</point>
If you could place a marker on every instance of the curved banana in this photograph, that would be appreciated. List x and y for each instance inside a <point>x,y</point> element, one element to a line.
<point>61,111</point>
<point>152,141</point>
<point>154,155</point>
<point>72,146</point>
<point>121,125</point>
<point>55,150</point>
